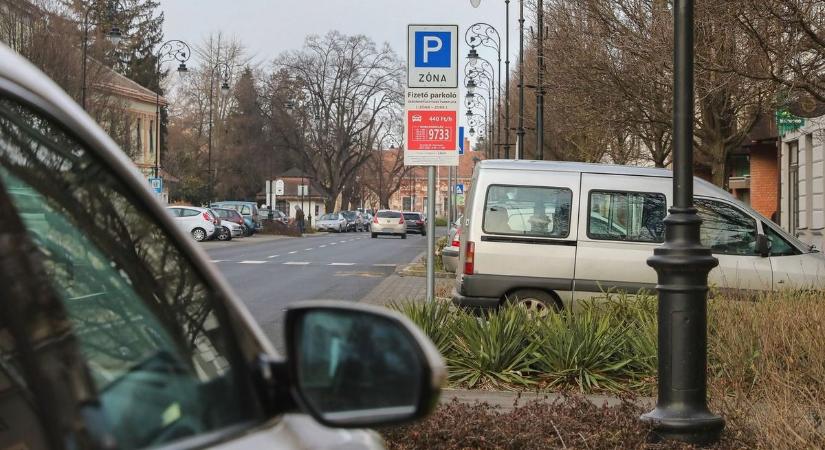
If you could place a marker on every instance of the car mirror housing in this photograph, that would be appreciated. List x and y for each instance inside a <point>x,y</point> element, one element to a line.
<point>763,245</point>
<point>354,365</point>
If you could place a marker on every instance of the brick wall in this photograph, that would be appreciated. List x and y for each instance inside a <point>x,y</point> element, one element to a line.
<point>764,171</point>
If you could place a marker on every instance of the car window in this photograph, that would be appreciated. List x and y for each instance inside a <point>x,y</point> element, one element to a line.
<point>389,214</point>
<point>627,216</point>
<point>190,213</point>
<point>175,212</point>
<point>245,210</point>
<point>411,216</point>
<point>779,246</point>
<point>152,333</point>
<point>726,229</point>
<point>527,211</point>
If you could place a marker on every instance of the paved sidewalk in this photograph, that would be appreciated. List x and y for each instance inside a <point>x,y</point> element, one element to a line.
<point>508,400</point>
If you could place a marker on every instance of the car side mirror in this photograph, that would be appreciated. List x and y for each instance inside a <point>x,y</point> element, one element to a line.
<point>763,245</point>
<point>353,365</point>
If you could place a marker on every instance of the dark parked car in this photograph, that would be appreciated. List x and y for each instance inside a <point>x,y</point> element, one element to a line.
<point>415,223</point>
<point>117,332</point>
<point>354,221</point>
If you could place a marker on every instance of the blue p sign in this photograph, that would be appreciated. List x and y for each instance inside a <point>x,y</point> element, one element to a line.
<point>432,48</point>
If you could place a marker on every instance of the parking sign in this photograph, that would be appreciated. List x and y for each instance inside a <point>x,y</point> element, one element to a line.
<point>432,56</point>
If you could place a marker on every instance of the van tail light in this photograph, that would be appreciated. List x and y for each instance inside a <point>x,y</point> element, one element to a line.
<point>469,258</point>
<point>456,239</point>
<point>375,219</point>
<point>401,220</point>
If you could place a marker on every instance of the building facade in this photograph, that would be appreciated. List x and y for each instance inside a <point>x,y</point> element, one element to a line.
<point>802,181</point>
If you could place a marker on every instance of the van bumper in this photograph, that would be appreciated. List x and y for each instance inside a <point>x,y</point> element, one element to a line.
<point>474,302</point>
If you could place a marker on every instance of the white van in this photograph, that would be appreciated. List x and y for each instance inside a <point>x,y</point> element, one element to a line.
<point>546,234</point>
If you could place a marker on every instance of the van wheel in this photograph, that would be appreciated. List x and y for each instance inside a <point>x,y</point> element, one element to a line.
<point>536,301</point>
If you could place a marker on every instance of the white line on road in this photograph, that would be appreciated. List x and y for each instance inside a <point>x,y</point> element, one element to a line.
<point>252,262</point>
<point>333,243</point>
<point>384,265</point>
<point>219,260</point>
<point>307,249</point>
<point>273,256</point>
<point>292,253</point>
<point>323,246</point>
<point>342,242</point>
<point>341,264</point>
<point>296,263</point>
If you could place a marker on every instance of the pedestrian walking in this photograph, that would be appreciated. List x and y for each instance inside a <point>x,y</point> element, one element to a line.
<point>299,219</point>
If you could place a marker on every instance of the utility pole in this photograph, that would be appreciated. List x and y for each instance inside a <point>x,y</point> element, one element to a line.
<point>540,83</point>
<point>520,131</point>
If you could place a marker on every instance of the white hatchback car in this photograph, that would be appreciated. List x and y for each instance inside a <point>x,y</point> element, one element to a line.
<point>198,222</point>
<point>389,222</point>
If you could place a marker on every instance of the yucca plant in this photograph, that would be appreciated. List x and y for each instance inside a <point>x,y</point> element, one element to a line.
<point>638,314</point>
<point>435,319</point>
<point>496,350</point>
<point>587,349</point>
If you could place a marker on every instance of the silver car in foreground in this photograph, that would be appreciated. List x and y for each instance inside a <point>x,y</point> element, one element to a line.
<point>389,222</point>
<point>118,332</point>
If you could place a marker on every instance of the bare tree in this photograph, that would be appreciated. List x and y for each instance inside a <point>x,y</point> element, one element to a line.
<point>344,84</point>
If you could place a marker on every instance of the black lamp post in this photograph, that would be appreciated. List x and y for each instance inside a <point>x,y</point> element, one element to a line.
<point>540,81</point>
<point>224,70</point>
<point>682,265</point>
<point>115,36</point>
<point>172,50</point>
<point>484,34</point>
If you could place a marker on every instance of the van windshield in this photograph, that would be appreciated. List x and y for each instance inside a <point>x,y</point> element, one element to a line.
<point>528,211</point>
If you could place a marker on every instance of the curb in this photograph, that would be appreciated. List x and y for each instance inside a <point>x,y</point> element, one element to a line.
<point>508,400</point>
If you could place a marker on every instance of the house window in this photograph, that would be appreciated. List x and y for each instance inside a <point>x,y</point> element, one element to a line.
<point>406,203</point>
<point>138,139</point>
<point>152,137</point>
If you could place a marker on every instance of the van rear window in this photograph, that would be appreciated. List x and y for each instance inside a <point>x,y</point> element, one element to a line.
<point>626,216</point>
<point>528,211</point>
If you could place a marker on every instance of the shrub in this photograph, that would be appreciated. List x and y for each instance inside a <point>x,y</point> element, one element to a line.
<point>441,221</point>
<point>587,349</point>
<point>497,350</point>
<point>435,319</point>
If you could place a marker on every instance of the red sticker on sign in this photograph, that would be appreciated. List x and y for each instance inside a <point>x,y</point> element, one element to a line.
<point>431,130</point>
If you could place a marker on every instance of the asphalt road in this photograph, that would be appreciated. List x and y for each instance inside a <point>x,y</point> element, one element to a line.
<point>270,274</point>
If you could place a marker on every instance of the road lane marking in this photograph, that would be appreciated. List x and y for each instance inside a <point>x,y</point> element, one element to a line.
<point>292,253</point>
<point>342,242</point>
<point>333,243</point>
<point>273,256</point>
<point>219,260</point>
<point>252,262</point>
<point>307,249</point>
<point>323,246</point>
<point>342,264</point>
<point>296,263</point>
<point>384,265</point>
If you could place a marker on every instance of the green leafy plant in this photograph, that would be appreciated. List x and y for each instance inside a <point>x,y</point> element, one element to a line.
<point>496,350</point>
<point>435,319</point>
<point>587,349</point>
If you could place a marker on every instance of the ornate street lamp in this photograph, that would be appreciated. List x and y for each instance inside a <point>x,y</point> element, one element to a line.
<point>682,265</point>
<point>225,72</point>
<point>485,35</point>
<point>171,50</point>
<point>114,36</point>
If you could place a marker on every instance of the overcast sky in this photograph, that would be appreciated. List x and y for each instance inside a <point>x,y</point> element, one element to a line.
<point>269,27</point>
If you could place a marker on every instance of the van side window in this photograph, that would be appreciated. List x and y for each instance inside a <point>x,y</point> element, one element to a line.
<point>726,229</point>
<point>528,211</point>
<point>626,216</point>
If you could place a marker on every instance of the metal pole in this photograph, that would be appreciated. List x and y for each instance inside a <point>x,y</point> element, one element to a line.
<point>682,265</point>
<point>209,152</point>
<point>506,79</point>
<point>520,131</point>
<point>431,234</point>
<point>540,82</point>
<point>157,121</point>
<point>85,56</point>
<point>449,196</point>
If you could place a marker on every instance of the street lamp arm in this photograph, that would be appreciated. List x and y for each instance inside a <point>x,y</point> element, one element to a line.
<point>173,50</point>
<point>483,34</point>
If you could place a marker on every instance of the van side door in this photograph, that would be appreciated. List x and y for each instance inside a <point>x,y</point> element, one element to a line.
<point>620,226</point>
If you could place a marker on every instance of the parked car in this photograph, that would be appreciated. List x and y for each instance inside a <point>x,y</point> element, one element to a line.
<point>277,214</point>
<point>388,222</point>
<point>354,220</point>
<point>415,222</point>
<point>229,228</point>
<point>367,221</point>
<point>137,340</point>
<point>332,222</point>
<point>450,252</point>
<point>548,234</point>
<point>249,210</point>
<point>200,223</point>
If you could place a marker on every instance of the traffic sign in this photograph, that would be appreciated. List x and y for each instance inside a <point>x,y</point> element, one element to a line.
<point>459,188</point>
<point>432,56</point>
<point>431,127</point>
<point>460,140</point>
<point>157,184</point>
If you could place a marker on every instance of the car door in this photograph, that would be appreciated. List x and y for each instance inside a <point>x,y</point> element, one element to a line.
<point>620,226</point>
<point>125,342</point>
<point>730,233</point>
<point>794,266</point>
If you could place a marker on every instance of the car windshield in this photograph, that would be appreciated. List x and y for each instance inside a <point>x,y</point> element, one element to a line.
<point>349,215</point>
<point>329,217</point>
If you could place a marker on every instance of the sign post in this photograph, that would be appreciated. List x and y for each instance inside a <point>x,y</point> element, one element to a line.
<point>431,103</point>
